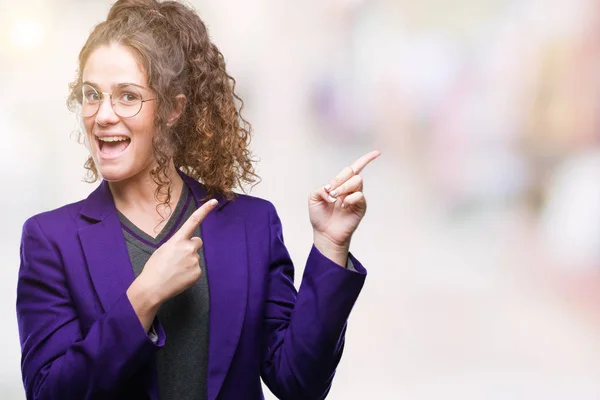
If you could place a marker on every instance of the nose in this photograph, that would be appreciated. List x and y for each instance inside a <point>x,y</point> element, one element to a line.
<point>106,115</point>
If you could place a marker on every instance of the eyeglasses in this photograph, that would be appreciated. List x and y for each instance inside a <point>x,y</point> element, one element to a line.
<point>126,100</point>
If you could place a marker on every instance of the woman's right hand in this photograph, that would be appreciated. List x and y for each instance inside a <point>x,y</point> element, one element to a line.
<point>172,268</point>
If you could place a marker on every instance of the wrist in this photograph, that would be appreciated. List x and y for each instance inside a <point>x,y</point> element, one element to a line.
<point>144,296</point>
<point>336,252</point>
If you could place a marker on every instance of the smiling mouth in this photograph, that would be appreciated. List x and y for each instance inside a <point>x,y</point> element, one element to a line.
<point>112,146</point>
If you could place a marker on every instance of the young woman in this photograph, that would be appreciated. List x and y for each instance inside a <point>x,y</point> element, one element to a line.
<point>159,286</point>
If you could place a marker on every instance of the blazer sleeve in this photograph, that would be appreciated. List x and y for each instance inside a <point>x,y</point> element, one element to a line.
<point>58,362</point>
<point>304,331</point>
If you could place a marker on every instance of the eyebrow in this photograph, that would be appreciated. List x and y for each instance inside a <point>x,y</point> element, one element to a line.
<point>114,85</point>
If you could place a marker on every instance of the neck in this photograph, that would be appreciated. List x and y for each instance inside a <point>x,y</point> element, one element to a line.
<point>139,191</point>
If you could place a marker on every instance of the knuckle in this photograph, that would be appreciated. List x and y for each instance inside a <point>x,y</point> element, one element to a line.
<point>190,248</point>
<point>192,264</point>
<point>196,243</point>
<point>196,273</point>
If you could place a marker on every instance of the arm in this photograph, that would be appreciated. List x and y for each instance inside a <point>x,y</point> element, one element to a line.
<point>58,362</point>
<point>304,331</point>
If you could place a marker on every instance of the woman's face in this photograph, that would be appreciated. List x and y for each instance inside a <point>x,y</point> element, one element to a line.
<point>121,147</point>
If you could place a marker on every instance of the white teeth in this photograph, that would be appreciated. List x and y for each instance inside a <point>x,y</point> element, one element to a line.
<point>113,138</point>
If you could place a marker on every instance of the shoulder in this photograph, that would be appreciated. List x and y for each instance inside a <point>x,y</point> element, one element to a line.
<point>57,220</point>
<point>253,210</point>
<point>251,204</point>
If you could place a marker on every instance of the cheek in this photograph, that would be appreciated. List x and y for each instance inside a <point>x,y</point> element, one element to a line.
<point>87,125</point>
<point>142,132</point>
<point>142,128</point>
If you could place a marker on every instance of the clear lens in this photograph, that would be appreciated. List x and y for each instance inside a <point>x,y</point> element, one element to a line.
<point>127,101</point>
<point>90,101</point>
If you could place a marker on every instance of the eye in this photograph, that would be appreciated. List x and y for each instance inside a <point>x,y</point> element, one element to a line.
<point>91,96</point>
<point>129,97</point>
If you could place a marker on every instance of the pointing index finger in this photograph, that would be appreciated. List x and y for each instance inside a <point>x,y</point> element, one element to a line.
<point>363,161</point>
<point>189,227</point>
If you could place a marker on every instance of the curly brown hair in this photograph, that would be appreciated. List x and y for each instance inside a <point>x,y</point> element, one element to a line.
<point>210,141</point>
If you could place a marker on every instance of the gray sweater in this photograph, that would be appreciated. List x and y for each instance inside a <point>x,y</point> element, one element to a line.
<point>182,363</point>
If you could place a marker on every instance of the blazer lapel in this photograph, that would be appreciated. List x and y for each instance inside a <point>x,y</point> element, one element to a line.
<point>224,237</point>
<point>108,259</point>
<point>104,247</point>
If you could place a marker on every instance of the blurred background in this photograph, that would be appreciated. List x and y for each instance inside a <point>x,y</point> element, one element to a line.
<point>482,238</point>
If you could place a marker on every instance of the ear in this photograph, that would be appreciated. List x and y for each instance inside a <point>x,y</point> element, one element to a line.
<point>180,103</point>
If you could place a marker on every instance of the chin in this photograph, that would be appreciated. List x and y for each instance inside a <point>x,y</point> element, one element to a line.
<point>119,171</point>
<point>115,172</point>
<point>110,175</point>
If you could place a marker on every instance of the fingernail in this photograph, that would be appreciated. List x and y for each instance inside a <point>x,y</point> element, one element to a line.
<point>344,206</point>
<point>333,193</point>
<point>213,202</point>
<point>332,199</point>
<point>328,186</point>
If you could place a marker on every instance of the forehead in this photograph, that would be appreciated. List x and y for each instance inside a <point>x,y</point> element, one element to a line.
<point>113,64</point>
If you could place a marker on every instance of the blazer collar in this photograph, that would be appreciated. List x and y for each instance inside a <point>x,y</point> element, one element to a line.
<point>100,202</point>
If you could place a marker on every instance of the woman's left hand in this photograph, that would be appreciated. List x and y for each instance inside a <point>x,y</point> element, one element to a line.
<point>336,209</point>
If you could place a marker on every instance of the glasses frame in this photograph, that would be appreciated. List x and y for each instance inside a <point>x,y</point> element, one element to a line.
<point>103,96</point>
